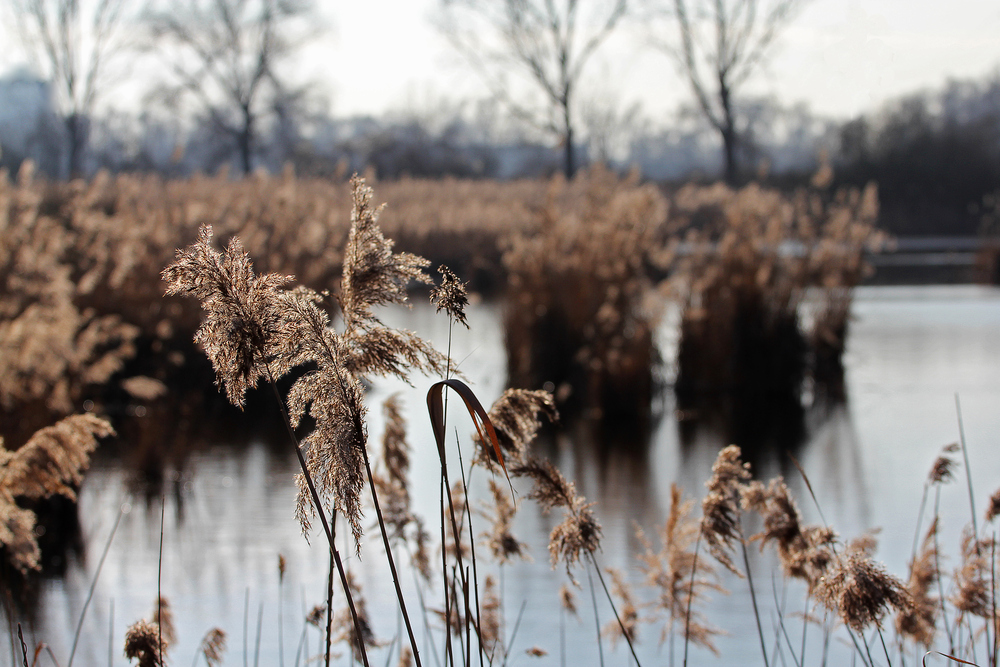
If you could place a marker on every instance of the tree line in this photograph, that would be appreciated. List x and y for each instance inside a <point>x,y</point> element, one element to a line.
<point>226,62</point>
<point>223,92</point>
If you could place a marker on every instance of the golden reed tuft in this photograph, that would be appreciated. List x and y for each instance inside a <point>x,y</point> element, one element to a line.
<point>50,463</point>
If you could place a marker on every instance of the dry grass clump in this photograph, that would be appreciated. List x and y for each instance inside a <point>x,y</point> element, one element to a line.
<point>750,258</point>
<point>678,577</point>
<point>50,463</point>
<point>579,533</point>
<point>578,320</point>
<point>52,346</point>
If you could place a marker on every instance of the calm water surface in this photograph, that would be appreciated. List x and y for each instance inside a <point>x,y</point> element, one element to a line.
<point>230,515</point>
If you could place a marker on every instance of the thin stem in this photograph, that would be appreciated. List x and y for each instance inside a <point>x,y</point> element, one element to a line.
<point>328,639</point>
<point>392,562</point>
<point>513,634</point>
<point>472,533</point>
<point>93,585</point>
<point>884,647</point>
<point>159,575</point>
<point>753,600</point>
<point>597,620</point>
<point>690,600</point>
<point>260,622</point>
<point>246,627</point>
<point>968,468</point>
<point>625,632</point>
<point>780,605</point>
<point>111,634</point>
<point>281,620</point>
<point>322,516</point>
<point>449,656</point>
<point>937,567</point>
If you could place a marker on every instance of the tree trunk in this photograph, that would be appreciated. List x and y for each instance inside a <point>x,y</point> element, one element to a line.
<point>245,141</point>
<point>569,163</point>
<point>76,133</point>
<point>728,130</point>
<point>729,148</point>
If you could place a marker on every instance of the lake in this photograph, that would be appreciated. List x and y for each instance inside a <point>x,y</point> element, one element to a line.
<point>229,510</point>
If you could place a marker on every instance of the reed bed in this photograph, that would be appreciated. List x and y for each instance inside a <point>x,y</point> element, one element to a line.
<point>765,282</point>
<point>580,319</point>
<point>259,325</point>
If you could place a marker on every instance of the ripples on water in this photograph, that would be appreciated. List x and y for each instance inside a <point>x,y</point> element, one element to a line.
<point>229,510</point>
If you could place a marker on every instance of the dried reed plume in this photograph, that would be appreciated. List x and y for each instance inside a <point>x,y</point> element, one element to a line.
<point>567,599</point>
<point>254,329</point>
<point>973,592</point>
<point>345,627</point>
<point>50,463</point>
<point>994,507</point>
<point>626,626</point>
<point>491,625</point>
<point>941,471</point>
<point>677,575</point>
<point>502,543</point>
<point>805,551</point>
<point>164,618</point>
<point>516,417</point>
<point>720,523</point>
<point>919,622</point>
<point>451,296</point>
<point>394,498</point>
<point>579,532</point>
<point>213,645</point>
<point>861,591</point>
<point>142,643</point>
<point>246,320</point>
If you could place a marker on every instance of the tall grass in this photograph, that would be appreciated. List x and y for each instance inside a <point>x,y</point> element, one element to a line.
<point>579,317</point>
<point>765,281</point>
<point>258,328</point>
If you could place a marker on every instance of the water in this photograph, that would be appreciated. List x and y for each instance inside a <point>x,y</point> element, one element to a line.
<point>229,512</point>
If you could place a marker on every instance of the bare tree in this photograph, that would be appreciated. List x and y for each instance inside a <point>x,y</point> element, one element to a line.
<point>722,43</point>
<point>73,42</point>
<point>226,56</point>
<point>545,43</point>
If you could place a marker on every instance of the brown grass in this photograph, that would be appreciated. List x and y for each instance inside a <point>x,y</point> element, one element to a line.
<point>579,320</point>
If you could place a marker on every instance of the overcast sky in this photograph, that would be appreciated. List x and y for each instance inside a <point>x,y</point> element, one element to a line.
<point>842,57</point>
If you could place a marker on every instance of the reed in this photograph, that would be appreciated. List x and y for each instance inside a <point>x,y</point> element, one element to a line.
<point>765,281</point>
<point>579,320</point>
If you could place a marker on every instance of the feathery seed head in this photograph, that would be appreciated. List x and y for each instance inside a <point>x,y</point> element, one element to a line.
<point>721,506</point>
<point>860,591</point>
<point>920,621</point>
<point>244,319</point>
<point>501,541</point>
<point>451,296</point>
<point>516,416</point>
<point>994,507</point>
<point>142,643</point>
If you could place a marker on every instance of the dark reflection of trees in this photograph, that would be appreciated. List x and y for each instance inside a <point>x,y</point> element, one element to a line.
<point>761,423</point>
<point>614,457</point>
<point>156,439</point>
<point>767,426</point>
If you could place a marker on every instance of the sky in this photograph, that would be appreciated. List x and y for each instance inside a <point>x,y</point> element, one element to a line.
<point>841,57</point>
